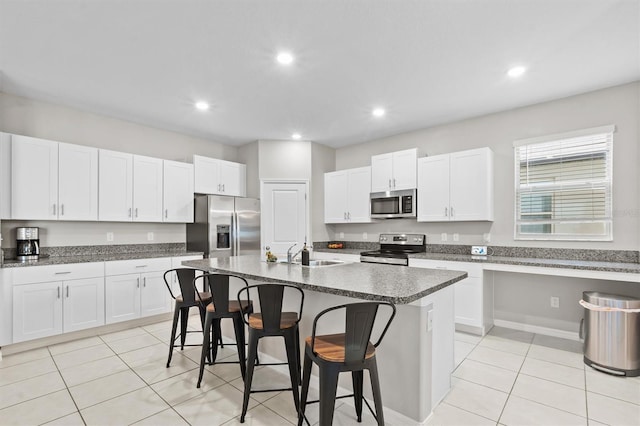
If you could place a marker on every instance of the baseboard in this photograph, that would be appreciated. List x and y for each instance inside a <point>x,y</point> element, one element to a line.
<point>563,334</point>
<point>471,329</point>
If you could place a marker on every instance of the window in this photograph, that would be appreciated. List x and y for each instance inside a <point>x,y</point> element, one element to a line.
<point>563,186</point>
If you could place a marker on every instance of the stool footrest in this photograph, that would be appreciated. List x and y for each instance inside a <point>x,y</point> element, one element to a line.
<point>270,390</point>
<point>373,413</point>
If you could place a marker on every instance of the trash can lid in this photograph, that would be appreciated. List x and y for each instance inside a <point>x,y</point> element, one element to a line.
<point>610,300</point>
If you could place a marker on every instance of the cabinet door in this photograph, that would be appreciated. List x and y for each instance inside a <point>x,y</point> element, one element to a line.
<point>147,189</point>
<point>468,302</point>
<point>83,304</point>
<point>178,192</point>
<point>34,178</point>
<point>471,186</point>
<point>115,186</point>
<point>122,298</point>
<point>77,182</point>
<point>404,169</point>
<point>5,176</point>
<point>358,191</point>
<point>206,175</point>
<point>37,310</point>
<point>154,294</point>
<point>433,189</point>
<point>232,179</point>
<point>381,172</point>
<point>335,197</point>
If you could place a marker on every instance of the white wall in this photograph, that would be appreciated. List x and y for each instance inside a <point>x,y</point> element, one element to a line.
<point>55,122</point>
<point>287,160</point>
<point>249,154</point>
<point>323,161</point>
<point>618,105</point>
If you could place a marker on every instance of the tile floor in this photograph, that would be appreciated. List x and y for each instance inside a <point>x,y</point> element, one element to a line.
<point>506,378</point>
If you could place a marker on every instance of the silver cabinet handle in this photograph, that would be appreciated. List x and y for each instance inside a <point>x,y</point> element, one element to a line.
<point>144,281</point>
<point>219,188</point>
<point>166,213</point>
<point>141,266</point>
<point>129,211</point>
<point>54,209</point>
<point>136,212</point>
<point>58,292</point>
<point>138,283</point>
<point>389,183</point>
<point>67,292</point>
<point>62,273</point>
<point>61,209</point>
<point>344,215</point>
<point>446,211</point>
<point>394,182</point>
<point>349,215</point>
<point>223,188</point>
<point>452,212</point>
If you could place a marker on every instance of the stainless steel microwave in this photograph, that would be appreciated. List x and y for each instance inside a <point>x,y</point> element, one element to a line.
<point>393,204</point>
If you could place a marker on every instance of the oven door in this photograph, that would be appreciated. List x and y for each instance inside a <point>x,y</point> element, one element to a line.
<point>393,204</point>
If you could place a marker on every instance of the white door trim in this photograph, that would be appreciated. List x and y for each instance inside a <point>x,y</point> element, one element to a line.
<point>307,206</point>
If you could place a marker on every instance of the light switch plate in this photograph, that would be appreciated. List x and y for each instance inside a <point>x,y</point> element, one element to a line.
<point>479,250</point>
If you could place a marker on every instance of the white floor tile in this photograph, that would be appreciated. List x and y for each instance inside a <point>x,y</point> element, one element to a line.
<point>574,346</point>
<point>34,387</point>
<point>125,409</point>
<point>522,412</point>
<point>260,416</point>
<point>39,410</point>
<point>24,357</point>
<point>477,399</point>
<point>228,372</point>
<point>624,388</point>
<point>283,404</point>
<point>508,333</point>
<point>164,418</point>
<point>26,370</point>
<point>81,356</point>
<point>505,345</point>
<point>73,419</point>
<point>554,372</point>
<point>485,374</point>
<point>346,415</point>
<point>468,338</point>
<point>155,353</point>
<point>100,390</point>
<point>552,394</point>
<point>496,358</point>
<point>163,325</point>
<point>214,408</point>
<point>132,343</point>
<point>558,356</point>
<point>461,350</point>
<point>448,415</point>
<point>93,370</point>
<point>156,370</point>
<point>74,345</point>
<point>612,411</point>
<point>124,334</point>
<point>182,387</point>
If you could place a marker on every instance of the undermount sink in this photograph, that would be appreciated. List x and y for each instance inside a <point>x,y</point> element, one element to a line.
<point>320,263</point>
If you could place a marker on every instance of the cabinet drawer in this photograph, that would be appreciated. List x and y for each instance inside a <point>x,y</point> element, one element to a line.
<point>121,267</point>
<point>176,262</point>
<point>471,269</point>
<point>39,274</point>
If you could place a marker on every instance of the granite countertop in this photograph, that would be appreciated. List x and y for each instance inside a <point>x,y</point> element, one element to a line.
<point>358,280</point>
<point>101,257</point>
<point>589,265</point>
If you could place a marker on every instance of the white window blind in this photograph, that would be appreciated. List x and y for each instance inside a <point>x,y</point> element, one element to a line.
<point>563,186</point>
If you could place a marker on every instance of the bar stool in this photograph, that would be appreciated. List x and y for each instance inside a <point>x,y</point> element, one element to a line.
<point>217,308</point>
<point>183,302</point>
<point>349,351</point>
<point>271,321</point>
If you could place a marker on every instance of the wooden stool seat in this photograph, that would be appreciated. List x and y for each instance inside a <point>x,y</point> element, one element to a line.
<point>204,295</point>
<point>287,320</point>
<point>234,306</point>
<point>331,347</point>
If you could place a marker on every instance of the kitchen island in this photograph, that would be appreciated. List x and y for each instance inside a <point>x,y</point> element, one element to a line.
<point>416,357</point>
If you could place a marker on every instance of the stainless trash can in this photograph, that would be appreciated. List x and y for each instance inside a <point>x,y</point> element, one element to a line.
<point>611,330</point>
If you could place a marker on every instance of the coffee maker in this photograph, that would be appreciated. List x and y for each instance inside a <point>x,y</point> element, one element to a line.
<point>27,244</point>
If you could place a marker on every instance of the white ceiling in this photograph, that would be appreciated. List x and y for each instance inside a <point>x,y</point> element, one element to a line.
<point>426,61</point>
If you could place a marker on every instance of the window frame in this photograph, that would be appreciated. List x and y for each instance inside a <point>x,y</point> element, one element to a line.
<point>606,220</point>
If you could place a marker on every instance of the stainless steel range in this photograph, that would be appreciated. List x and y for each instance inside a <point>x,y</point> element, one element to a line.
<point>395,249</point>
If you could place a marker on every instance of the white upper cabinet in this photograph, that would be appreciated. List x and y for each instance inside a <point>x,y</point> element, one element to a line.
<point>77,182</point>
<point>5,176</point>
<point>456,187</point>
<point>213,176</point>
<point>346,196</point>
<point>394,170</point>
<point>52,180</point>
<point>178,192</point>
<point>115,186</point>
<point>147,189</point>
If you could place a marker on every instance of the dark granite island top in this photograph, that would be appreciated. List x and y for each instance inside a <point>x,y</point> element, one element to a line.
<point>396,284</point>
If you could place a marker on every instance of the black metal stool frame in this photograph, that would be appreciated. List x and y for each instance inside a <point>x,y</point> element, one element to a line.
<point>181,309</point>
<point>359,322</point>
<point>219,289</point>
<point>270,298</point>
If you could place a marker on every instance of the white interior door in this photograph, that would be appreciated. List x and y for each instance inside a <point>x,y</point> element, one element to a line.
<point>284,216</point>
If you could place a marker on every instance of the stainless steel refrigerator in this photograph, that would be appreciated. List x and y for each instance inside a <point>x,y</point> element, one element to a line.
<point>225,226</point>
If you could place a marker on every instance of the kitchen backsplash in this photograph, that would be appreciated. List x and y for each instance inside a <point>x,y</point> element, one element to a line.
<point>10,253</point>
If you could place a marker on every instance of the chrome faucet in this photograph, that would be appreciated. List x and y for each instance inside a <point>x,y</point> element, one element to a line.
<point>290,257</point>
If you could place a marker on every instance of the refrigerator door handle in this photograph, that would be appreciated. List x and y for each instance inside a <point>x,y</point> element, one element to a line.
<point>235,238</point>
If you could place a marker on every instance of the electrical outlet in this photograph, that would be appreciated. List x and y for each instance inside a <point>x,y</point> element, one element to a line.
<point>486,237</point>
<point>443,236</point>
<point>456,237</point>
<point>429,320</point>
<point>109,236</point>
<point>149,236</point>
<point>479,250</point>
<point>555,302</point>
<point>364,236</point>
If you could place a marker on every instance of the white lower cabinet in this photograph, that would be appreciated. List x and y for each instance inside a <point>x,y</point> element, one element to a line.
<point>473,295</point>
<point>136,288</point>
<point>50,300</point>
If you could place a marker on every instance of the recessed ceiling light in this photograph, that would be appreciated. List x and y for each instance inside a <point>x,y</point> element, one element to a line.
<point>378,112</point>
<point>296,136</point>
<point>516,71</point>
<point>202,106</point>
<point>285,58</point>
